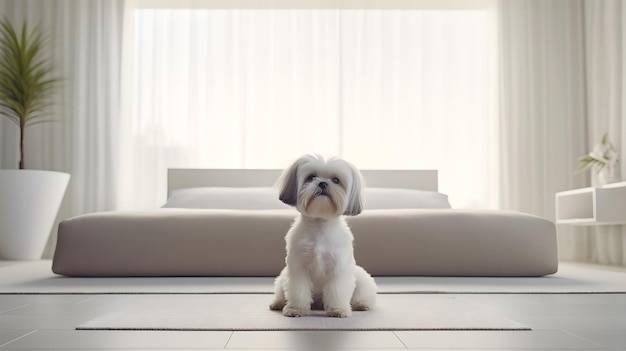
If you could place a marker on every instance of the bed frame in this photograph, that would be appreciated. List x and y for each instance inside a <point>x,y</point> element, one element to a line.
<point>403,242</point>
<point>178,178</point>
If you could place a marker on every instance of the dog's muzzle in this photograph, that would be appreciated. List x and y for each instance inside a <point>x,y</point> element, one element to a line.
<point>322,189</point>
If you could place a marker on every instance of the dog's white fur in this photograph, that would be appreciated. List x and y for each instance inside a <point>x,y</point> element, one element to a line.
<point>320,265</point>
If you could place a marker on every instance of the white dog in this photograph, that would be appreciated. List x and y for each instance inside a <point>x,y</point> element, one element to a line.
<point>320,265</point>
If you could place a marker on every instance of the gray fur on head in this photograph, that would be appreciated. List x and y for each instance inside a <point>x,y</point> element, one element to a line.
<point>288,182</point>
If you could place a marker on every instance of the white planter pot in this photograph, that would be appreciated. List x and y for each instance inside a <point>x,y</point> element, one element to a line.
<point>29,204</point>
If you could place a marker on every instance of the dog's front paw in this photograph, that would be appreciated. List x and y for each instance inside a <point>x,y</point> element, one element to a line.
<point>338,312</point>
<point>278,305</point>
<point>294,311</point>
<point>360,306</point>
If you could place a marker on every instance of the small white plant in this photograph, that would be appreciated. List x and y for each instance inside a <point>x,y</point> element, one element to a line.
<point>601,160</point>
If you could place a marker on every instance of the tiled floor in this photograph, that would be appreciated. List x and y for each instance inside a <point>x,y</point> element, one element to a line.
<point>558,321</point>
<point>571,322</point>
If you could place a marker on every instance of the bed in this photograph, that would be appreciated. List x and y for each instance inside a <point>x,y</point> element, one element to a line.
<point>231,223</point>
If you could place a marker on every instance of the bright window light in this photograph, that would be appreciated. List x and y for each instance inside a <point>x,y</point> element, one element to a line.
<point>248,88</point>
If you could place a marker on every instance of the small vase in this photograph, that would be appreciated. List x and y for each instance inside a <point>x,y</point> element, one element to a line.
<point>602,177</point>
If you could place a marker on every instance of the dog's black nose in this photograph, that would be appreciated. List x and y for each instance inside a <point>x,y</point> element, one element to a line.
<point>323,185</point>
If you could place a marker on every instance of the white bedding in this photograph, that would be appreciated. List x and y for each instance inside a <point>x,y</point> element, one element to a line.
<point>266,198</point>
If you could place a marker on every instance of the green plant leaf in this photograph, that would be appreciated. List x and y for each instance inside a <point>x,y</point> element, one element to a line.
<point>586,162</point>
<point>26,87</point>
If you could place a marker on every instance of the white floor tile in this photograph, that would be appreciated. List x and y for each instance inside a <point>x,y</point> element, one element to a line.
<point>535,339</point>
<point>81,339</point>
<point>564,310</point>
<point>581,299</point>
<point>62,309</point>
<point>318,340</point>
<point>524,305</point>
<point>181,302</point>
<point>42,298</point>
<point>7,336</point>
<point>6,307</point>
<point>607,338</point>
<point>569,323</point>
<point>9,322</point>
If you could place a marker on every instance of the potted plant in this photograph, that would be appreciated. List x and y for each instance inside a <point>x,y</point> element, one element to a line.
<point>602,160</point>
<point>29,199</point>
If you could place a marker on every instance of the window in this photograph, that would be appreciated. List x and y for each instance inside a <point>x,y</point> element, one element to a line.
<point>256,88</point>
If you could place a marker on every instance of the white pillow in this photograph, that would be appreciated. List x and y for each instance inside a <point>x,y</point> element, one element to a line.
<point>226,198</point>
<point>391,198</point>
<point>267,198</point>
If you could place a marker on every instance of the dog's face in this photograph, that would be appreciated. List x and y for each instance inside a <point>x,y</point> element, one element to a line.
<point>322,188</point>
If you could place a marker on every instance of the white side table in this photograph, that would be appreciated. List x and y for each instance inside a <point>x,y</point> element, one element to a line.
<point>592,206</point>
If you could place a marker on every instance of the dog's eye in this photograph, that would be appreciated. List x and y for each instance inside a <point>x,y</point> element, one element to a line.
<point>336,180</point>
<point>310,178</point>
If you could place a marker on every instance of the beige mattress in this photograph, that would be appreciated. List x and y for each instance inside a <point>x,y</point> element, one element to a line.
<point>408,242</point>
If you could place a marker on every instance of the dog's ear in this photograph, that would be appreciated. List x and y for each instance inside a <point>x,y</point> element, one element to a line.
<point>355,201</point>
<point>288,183</point>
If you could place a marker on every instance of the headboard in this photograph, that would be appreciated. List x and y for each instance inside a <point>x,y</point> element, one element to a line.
<point>178,178</point>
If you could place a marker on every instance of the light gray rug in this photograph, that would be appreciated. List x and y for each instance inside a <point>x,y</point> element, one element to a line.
<point>36,277</point>
<point>245,312</point>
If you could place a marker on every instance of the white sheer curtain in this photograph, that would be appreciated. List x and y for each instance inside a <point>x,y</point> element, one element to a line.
<point>257,88</point>
<point>418,91</point>
<point>227,89</point>
<point>562,72</point>
<point>84,38</point>
<point>605,38</point>
<point>542,107</point>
